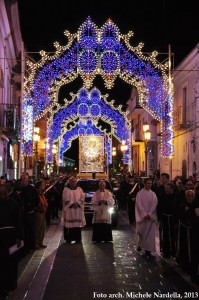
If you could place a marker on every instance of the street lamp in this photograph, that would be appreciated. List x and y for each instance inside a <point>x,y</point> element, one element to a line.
<point>147,137</point>
<point>113,151</point>
<point>113,155</point>
<point>36,138</point>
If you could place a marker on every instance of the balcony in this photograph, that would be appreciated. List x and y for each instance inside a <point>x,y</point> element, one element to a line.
<point>10,119</point>
<point>181,118</point>
<point>136,111</point>
<point>134,107</point>
<point>137,136</point>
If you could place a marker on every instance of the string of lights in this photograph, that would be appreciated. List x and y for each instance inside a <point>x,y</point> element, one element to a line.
<point>83,113</point>
<point>96,51</point>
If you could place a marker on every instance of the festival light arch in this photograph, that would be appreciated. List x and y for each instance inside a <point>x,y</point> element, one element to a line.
<point>81,116</point>
<point>94,51</point>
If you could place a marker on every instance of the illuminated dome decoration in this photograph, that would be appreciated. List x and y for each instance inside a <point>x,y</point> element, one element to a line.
<point>95,110</point>
<point>88,34</point>
<point>110,36</point>
<point>83,110</point>
<point>88,62</point>
<point>81,115</point>
<point>66,139</point>
<point>106,52</point>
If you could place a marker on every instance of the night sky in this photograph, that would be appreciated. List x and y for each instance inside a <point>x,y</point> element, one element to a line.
<point>156,23</point>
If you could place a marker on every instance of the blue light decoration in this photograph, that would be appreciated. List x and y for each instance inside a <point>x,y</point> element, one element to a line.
<point>81,116</point>
<point>80,129</point>
<point>102,51</point>
<point>167,129</point>
<point>27,128</point>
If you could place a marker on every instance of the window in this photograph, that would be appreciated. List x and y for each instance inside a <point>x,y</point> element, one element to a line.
<point>184,105</point>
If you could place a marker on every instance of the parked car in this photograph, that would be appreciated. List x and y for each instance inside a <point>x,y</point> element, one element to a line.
<point>89,186</point>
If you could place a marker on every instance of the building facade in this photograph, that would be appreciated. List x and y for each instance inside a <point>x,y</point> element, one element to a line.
<point>144,152</point>
<point>185,161</point>
<point>11,86</point>
<point>186,116</point>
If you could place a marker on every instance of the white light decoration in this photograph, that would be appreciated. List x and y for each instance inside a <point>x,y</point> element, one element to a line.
<point>71,119</point>
<point>124,147</point>
<point>106,52</point>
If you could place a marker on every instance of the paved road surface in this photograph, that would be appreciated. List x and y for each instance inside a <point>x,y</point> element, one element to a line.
<point>90,271</point>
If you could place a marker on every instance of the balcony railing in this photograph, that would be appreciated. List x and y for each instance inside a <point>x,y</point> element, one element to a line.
<point>137,135</point>
<point>182,117</point>
<point>9,118</point>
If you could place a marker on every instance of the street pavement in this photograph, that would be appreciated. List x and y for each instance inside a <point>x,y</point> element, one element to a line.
<point>90,270</point>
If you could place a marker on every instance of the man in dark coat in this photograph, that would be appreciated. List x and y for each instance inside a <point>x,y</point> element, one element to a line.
<point>133,189</point>
<point>30,200</point>
<point>188,242</point>
<point>11,233</point>
<point>165,211</point>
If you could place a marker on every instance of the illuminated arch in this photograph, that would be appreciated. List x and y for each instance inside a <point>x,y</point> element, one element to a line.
<point>96,51</point>
<point>81,116</point>
<point>66,139</point>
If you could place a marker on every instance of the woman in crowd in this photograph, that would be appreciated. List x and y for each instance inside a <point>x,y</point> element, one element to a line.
<point>40,219</point>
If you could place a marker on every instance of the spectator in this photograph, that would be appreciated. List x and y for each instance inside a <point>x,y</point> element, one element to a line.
<point>40,220</point>
<point>179,198</point>
<point>165,210</point>
<point>59,186</point>
<point>194,178</point>
<point>16,194</point>
<point>123,192</point>
<point>160,192</point>
<point>50,197</point>
<point>133,189</point>
<point>73,217</point>
<point>145,214</point>
<point>156,182</point>
<point>11,233</point>
<point>196,190</point>
<point>164,178</point>
<point>188,184</point>
<point>2,180</point>
<point>188,242</point>
<point>102,201</point>
<point>139,181</point>
<point>30,200</point>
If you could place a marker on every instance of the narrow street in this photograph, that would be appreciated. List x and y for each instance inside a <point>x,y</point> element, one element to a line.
<point>99,271</point>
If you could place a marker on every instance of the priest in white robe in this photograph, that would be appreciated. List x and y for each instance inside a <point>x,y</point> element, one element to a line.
<point>146,218</point>
<point>102,202</point>
<point>73,217</point>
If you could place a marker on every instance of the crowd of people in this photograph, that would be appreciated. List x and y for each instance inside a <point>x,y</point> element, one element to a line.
<point>27,207</point>
<point>173,205</point>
